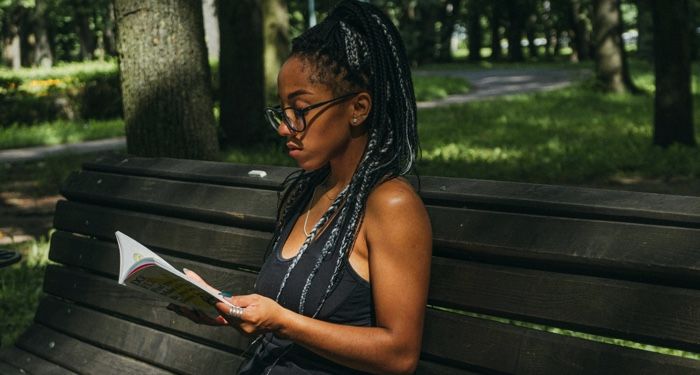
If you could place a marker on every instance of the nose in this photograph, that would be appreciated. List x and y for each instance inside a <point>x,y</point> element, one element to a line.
<point>283,130</point>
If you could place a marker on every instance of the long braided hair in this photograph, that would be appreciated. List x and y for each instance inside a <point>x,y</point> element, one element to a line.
<point>355,48</point>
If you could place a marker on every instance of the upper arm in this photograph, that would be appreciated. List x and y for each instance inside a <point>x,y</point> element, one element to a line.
<point>399,239</point>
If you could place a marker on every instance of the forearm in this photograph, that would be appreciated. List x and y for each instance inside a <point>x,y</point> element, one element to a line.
<point>370,349</point>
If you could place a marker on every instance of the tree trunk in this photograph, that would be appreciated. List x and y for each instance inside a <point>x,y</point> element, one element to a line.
<point>516,22</point>
<point>86,37</point>
<point>211,28</point>
<point>165,79</point>
<point>611,66</point>
<point>241,71</point>
<point>673,101</point>
<point>450,11</point>
<point>429,12</point>
<point>582,38</point>
<point>645,28</point>
<point>474,32</point>
<point>11,52</point>
<point>276,34</point>
<point>108,37</point>
<point>530,31</point>
<point>42,49</point>
<point>495,26</point>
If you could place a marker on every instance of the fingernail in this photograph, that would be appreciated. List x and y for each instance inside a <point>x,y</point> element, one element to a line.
<point>185,269</point>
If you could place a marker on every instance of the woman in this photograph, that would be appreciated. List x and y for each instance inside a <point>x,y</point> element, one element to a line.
<point>344,287</point>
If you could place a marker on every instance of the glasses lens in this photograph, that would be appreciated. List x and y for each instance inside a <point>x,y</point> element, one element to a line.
<point>295,121</point>
<point>274,117</point>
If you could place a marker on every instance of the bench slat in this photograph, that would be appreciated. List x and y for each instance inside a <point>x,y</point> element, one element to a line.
<point>79,356</point>
<point>30,363</point>
<point>634,251</point>
<point>104,294</point>
<point>502,348</point>
<point>168,351</point>
<point>7,369</point>
<point>555,200</point>
<point>252,208</point>
<point>222,244</point>
<point>652,314</point>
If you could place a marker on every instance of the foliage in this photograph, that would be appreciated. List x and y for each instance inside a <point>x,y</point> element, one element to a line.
<point>71,91</point>
<point>59,132</point>
<point>21,288</point>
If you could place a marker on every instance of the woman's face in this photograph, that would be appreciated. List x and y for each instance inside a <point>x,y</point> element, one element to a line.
<point>328,128</point>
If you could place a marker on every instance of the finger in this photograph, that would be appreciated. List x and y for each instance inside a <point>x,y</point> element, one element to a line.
<point>244,301</point>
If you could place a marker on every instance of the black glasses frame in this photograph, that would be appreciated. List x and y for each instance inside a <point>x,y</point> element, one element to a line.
<point>277,112</point>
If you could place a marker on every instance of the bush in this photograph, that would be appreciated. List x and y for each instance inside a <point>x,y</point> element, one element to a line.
<point>71,92</point>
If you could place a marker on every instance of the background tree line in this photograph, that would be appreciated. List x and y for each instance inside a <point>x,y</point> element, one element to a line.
<point>254,37</point>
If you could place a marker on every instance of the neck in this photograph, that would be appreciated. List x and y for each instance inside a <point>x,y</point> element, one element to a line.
<point>343,167</point>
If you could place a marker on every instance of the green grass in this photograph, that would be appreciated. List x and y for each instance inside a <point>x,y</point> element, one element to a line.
<point>61,71</point>
<point>21,287</point>
<point>428,87</point>
<point>59,132</point>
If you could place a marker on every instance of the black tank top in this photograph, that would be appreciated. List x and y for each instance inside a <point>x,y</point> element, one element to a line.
<point>350,303</point>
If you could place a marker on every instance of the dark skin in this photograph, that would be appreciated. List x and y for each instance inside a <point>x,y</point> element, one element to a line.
<point>392,249</point>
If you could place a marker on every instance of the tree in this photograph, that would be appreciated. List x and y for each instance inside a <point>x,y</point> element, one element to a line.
<point>450,13</point>
<point>612,72</point>
<point>645,28</point>
<point>474,33</point>
<point>517,18</point>
<point>673,102</point>
<point>241,71</point>
<point>582,35</point>
<point>42,48</point>
<point>495,21</point>
<point>165,79</point>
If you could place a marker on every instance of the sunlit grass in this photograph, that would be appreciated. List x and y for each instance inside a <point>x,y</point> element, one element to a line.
<point>437,87</point>
<point>59,132</point>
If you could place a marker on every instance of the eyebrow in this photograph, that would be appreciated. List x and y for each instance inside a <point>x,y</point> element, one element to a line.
<point>297,93</point>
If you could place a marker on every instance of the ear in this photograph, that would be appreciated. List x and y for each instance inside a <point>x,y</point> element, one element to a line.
<point>361,106</point>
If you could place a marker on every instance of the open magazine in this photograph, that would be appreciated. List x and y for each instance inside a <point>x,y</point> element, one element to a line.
<point>141,268</point>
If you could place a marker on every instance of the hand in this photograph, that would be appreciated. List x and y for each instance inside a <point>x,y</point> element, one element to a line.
<point>260,314</point>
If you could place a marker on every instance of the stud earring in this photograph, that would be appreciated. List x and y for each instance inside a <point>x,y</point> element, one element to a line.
<point>354,120</point>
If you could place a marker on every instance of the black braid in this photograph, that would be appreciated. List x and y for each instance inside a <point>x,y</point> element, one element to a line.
<point>355,48</point>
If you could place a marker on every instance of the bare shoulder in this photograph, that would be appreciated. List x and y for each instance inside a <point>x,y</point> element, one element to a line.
<point>395,201</point>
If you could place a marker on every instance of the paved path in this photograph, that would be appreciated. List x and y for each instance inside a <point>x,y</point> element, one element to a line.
<point>485,84</point>
<point>34,153</point>
<point>499,82</point>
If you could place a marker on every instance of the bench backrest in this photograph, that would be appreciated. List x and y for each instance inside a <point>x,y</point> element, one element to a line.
<point>515,265</point>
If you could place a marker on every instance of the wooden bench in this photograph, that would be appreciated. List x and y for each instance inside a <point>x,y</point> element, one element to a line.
<point>613,264</point>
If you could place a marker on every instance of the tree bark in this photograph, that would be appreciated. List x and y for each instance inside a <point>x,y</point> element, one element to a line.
<point>165,79</point>
<point>516,23</point>
<point>42,49</point>
<point>276,35</point>
<point>582,38</point>
<point>611,65</point>
<point>474,31</point>
<point>495,26</point>
<point>450,12</point>
<point>241,71</point>
<point>673,101</point>
<point>645,28</point>
<point>429,13</point>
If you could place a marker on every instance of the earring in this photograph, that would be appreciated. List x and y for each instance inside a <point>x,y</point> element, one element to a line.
<point>354,120</point>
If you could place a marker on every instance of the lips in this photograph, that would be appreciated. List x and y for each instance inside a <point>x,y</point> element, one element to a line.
<point>293,146</point>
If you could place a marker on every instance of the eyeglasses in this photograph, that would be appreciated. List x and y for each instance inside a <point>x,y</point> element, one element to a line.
<point>295,119</point>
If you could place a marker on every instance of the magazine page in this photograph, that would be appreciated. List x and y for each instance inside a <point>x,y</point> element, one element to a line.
<point>142,268</point>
